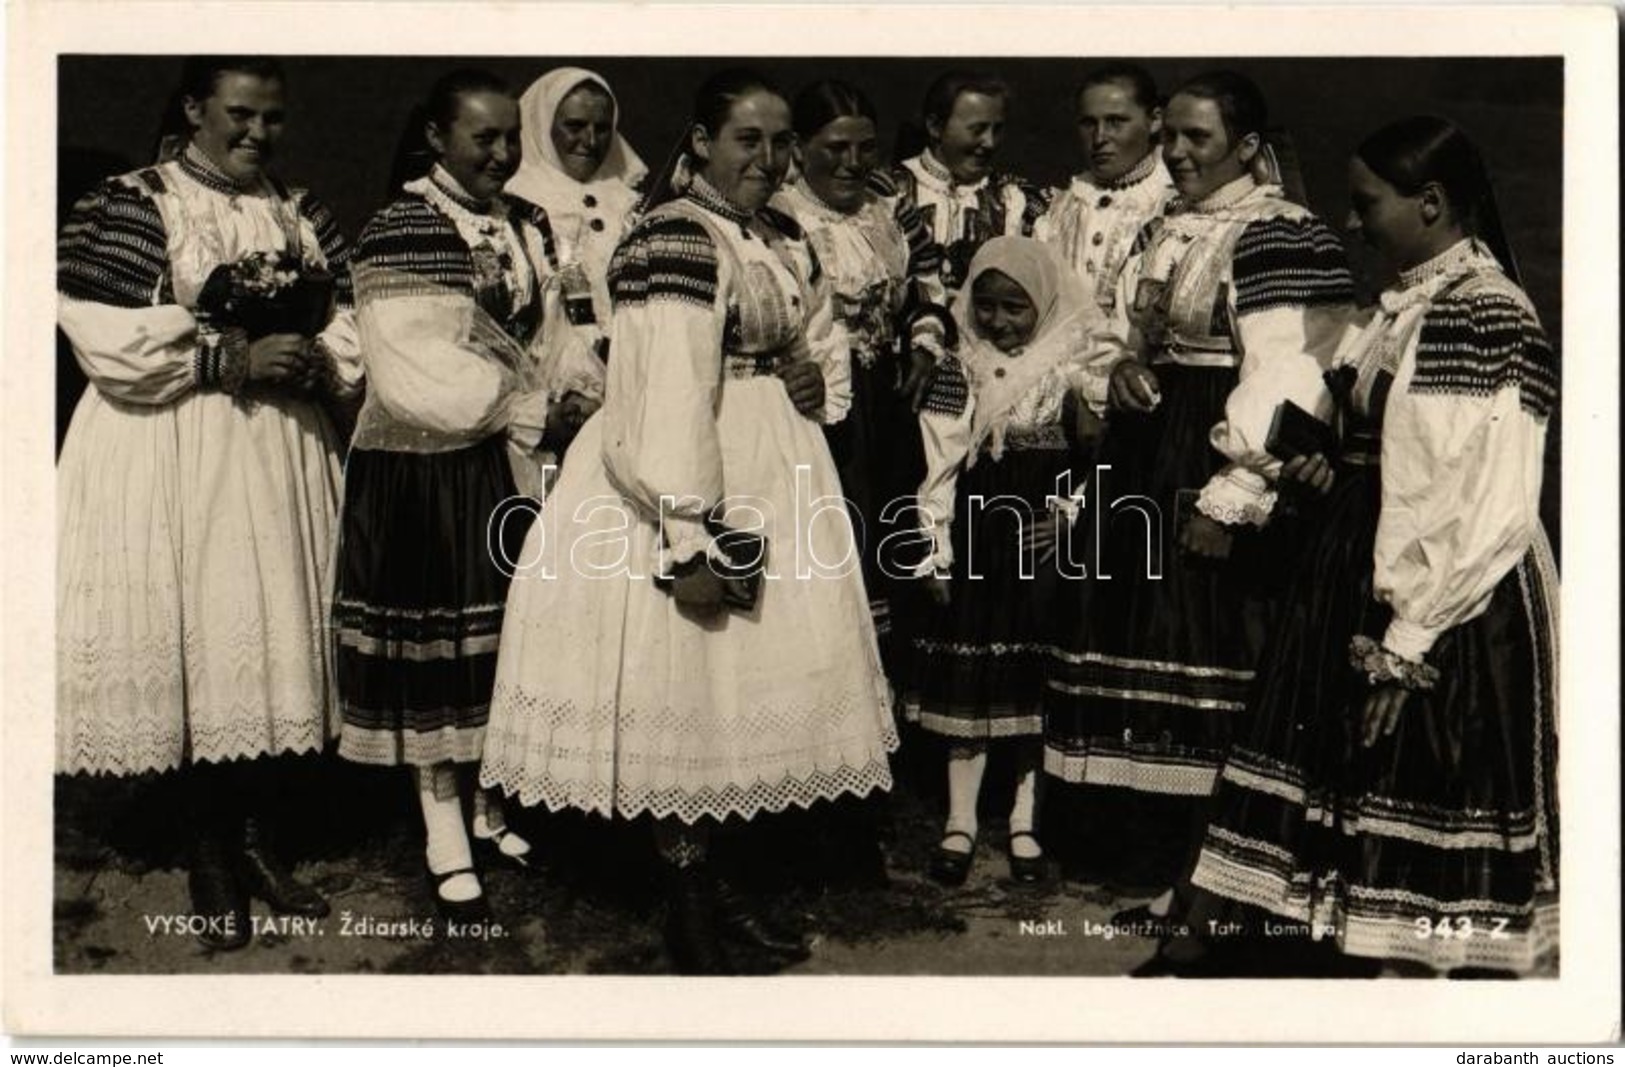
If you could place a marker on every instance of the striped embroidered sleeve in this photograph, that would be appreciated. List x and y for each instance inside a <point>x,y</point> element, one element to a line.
<point>411,237</point>
<point>1461,465</point>
<point>664,258</point>
<point>1290,262</point>
<point>129,336</point>
<point>335,249</point>
<point>945,430</point>
<point>1479,344</point>
<point>113,249</point>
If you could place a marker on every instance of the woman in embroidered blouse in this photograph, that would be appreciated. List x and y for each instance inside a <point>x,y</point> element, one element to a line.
<point>871,263</point>
<point>578,168</point>
<point>994,426</point>
<point>448,282</point>
<point>1406,805</point>
<point>961,199</point>
<point>1236,301</point>
<point>197,488</point>
<point>614,697</point>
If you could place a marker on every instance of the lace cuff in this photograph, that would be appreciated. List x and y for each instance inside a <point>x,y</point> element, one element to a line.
<point>1408,639</point>
<point>931,330</point>
<point>222,359</point>
<point>941,560</point>
<point>527,419</point>
<point>1066,505</point>
<point>685,538</point>
<point>1383,665</point>
<point>1237,496</point>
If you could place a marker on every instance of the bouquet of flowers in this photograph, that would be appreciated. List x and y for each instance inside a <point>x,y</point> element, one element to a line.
<point>269,292</point>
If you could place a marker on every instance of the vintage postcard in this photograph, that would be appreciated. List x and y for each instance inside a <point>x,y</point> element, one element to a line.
<point>820,522</point>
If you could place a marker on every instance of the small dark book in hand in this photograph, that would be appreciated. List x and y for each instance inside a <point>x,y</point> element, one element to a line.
<point>1294,432</point>
<point>746,555</point>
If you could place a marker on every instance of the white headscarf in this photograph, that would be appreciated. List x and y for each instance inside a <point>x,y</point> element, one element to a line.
<point>1066,320</point>
<point>541,177</point>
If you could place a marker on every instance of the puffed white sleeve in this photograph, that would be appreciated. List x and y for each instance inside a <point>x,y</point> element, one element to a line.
<point>425,367</point>
<point>1462,445</point>
<point>660,434</point>
<point>128,335</point>
<point>945,431</point>
<point>1292,305</point>
<point>829,345</point>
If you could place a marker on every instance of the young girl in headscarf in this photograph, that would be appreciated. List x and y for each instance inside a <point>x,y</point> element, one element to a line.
<point>995,503</point>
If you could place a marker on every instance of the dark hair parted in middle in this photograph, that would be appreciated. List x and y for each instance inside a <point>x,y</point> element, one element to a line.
<point>1241,104</point>
<point>947,89</point>
<point>440,107</point>
<point>822,102</point>
<point>714,100</point>
<point>200,74</point>
<point>1142,87</point>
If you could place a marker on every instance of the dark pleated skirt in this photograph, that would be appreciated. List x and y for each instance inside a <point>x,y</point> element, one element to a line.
<point>878,454</point>
<point>978,665</point>
<point>419,602</point>
<point>1156,657</point>
<point>1438,844</point>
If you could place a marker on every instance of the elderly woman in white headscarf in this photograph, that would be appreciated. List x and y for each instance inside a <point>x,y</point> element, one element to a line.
<point>1000,451</point>
<point>584,174</point>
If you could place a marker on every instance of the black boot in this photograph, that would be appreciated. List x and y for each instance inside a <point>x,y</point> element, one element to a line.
<point>739,922</point>
<point>219,901</point>
<point>266,877</point>
<point>691,922</point>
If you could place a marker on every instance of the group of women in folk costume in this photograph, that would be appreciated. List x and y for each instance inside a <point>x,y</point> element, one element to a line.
<point>1348,665</point>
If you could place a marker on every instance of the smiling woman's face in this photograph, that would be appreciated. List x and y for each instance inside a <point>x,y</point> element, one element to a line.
<point>746,159</point>
<point>837,161</point>
<point>481,147</point>
<point>238,125</point>
<point>583,127</point>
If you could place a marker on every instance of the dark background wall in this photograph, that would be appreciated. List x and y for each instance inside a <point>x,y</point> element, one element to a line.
<point>346,114</point>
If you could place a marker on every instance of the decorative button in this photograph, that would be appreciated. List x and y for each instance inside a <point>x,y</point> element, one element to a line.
<point>597,225</point>
<point>1128,735</point>
<point>1166,739</point>
<point>1104,201</point>
<point>998,372</point>
<point>590,200</point>
<point>1097,239</point>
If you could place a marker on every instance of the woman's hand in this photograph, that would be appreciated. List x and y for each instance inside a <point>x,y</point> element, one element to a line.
<point>1206,537</point>
<point>1042,537</point>
<point>804,381</point>
<point>1310,472</point>
<point>939,589</point>
<point>697,589</point>
<point>279,359</point>
<point>1381,716</point>
<point>1134,387</point>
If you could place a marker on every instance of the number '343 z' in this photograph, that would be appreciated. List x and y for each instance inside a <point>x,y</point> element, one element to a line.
<point>1460,928</point>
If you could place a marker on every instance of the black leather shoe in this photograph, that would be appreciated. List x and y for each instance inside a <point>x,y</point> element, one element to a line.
<point>218,900</point>
<point>1026,870</point>
<point>738,921</point>
<point>691,923</point>
<point>951,867</point>
<point>266,877</point>
<point>476,909</point>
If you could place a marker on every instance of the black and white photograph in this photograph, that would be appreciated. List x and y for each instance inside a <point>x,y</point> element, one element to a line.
<point>1082,499</point>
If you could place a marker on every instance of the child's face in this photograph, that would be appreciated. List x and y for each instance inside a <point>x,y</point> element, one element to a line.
<point>1004,313</point>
